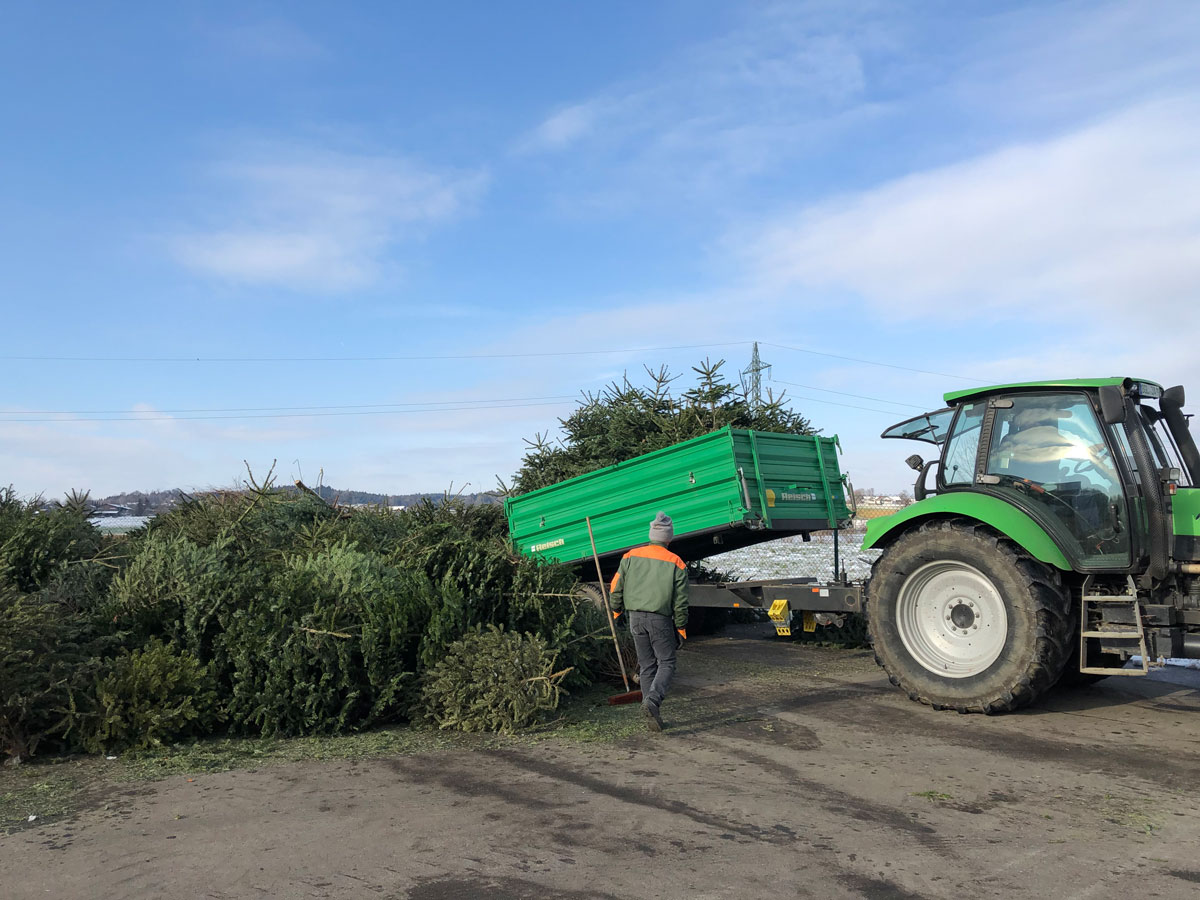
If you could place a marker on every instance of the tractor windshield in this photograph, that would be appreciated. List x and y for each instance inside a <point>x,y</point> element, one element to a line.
<point>1049,454</point>
<point>930,427</point>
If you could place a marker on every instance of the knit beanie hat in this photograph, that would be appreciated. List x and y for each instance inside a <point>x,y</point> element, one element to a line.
<point>661,529</point>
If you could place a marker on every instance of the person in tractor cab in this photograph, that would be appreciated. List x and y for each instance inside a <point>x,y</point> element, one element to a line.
<point>1042,443</point>
<point>652,585</point>
<point>1043,450</point>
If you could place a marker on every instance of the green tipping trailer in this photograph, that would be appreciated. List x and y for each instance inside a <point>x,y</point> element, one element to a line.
<point>724,490</point>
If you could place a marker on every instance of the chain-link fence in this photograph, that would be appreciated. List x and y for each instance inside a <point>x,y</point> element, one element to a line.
<point>794,557</point>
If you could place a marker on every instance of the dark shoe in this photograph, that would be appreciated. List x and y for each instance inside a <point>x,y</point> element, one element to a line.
<point>653,719</point>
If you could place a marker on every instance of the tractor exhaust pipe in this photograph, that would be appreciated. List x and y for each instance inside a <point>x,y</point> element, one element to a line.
<point>1152,492</point>
<point>1171,404</point>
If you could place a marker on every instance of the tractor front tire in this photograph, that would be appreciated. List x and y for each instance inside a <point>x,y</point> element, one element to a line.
<point>962,618</point>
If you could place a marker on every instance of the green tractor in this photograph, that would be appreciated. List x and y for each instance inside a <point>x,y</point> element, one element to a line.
<point>1059,538</point>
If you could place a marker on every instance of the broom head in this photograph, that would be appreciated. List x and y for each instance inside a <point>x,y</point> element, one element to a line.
<point>622,699</point>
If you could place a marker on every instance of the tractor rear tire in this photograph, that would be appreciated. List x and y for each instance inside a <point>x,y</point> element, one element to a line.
<point>962,618</point>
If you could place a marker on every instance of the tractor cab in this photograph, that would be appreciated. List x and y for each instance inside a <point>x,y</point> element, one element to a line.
<point>1071,455</point>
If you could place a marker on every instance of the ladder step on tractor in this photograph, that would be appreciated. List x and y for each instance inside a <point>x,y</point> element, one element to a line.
<point>1091,620</point>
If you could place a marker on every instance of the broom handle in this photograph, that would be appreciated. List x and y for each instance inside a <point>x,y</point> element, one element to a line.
<point>607,609</point>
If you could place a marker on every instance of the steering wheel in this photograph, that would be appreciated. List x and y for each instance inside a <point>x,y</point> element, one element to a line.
<point>1083,466</point>
<point>1033,489</point>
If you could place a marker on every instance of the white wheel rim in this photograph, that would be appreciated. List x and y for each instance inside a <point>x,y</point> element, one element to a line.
<point>951,619</point>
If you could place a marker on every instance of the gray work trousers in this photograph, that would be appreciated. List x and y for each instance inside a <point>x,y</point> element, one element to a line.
<point>654,637</point>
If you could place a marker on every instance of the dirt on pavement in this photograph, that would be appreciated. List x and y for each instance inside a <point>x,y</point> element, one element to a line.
<point>786,771</point>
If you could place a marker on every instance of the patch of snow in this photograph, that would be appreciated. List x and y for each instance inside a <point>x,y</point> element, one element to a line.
<point>793,557</point>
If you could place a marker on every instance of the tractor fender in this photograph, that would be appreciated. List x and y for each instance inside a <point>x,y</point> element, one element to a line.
<point>991,511</point>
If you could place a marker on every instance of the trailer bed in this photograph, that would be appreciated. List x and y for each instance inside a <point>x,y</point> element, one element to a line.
<point>724,490</point>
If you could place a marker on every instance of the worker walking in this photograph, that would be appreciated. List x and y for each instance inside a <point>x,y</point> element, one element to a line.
<point>652,585</point>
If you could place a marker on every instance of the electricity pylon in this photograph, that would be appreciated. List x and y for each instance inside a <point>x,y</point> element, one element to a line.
<point>752,379</point>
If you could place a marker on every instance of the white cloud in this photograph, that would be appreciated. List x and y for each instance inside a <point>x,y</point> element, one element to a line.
<point>401,452</point>
<point>563,127</point>
<point>322,261</point>
<point>319,221</point>
<point>1103,220</point>
<point>802,92</point>
<point>727,105</point>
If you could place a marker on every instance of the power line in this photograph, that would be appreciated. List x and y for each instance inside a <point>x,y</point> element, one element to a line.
<point>281,412</point>
<point>233,409</point>
<point>810,387</point>
<point>426,358</point>
<point>870,362</point>
<point>465,356</point>
<point>886,412</point>
<point>377,412</point>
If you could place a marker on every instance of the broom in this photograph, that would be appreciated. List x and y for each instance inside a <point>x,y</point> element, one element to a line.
<point>629,696</point>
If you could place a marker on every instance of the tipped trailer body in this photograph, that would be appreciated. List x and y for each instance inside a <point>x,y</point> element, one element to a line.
<point>725,490</point>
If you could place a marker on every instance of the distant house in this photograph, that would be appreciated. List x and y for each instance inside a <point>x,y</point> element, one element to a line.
<point>111,511</point>
<point>118,524</point>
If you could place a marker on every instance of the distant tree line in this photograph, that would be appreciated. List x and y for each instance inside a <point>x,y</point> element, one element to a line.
<point>152,503</point>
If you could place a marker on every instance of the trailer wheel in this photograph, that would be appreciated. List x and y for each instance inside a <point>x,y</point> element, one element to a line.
<point>961,618</point>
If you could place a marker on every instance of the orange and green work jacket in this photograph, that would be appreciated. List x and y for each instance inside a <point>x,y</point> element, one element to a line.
<point>652,579</point>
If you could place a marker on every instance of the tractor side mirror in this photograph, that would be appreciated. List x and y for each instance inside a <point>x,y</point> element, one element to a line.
<point>1112,404</point>
<point>920,492</point>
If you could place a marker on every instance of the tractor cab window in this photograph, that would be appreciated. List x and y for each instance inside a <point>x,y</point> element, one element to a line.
<point>1049,454</point>
<point>963,446</point>
<point>1126,452</point>
<point>1164,447</point>
<point>930,427</point>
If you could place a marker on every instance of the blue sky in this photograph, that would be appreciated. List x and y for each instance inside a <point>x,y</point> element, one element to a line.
<point>223,209</point>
